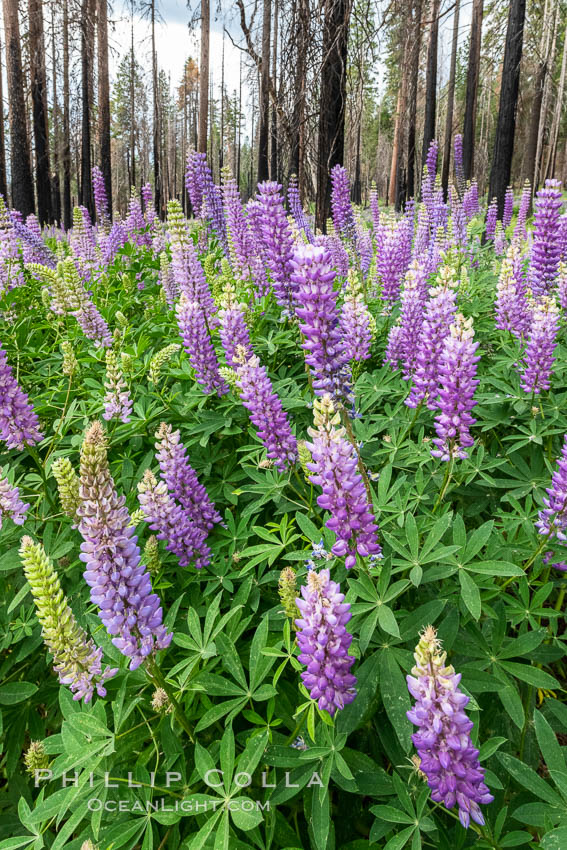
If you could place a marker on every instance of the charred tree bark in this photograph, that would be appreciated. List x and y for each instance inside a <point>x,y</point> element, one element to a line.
<point>297,163</point>
<point>431,82</point>
<point>506,126</point>
<point>38,84</point>
<point>156,122</point>
<point>204,75</point>
<point>332,103</point>
<point>20,162</point>
<point>274,118</point>
<point>87,37</point>
<point>104,100</point>
<point>3,184</point>
<point>55,178</point>
<point>416,14</point>
<point>450,103</point>
<point>67,215</point>
<point>264,105</point>
<point>469,125</point>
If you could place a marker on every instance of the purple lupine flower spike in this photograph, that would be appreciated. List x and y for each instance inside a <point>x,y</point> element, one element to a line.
<point>343,215</point>
<point>181,479</point>
<point>10,503</point>
<point>404,339</point>
<point>546,248</point>
<point>538,358</point>
<point>277,240</point>
<point>508,207</point>
<point>443,743</point>
<point>233,330</point>
<point>512,310</point>
<point>552,519</point>
<point>19,425</point>
<point>335,469</point>
<point>562,285</point>
<point>314,277</point>
<point>294,202</point>
<point>196,338</point>
<point>457,384</point>
<point>523,209</point>
<point>99,193</point>
<point>470,201</point>
<point>393,255</point>
<point>459,169</point>
<point>120,584</point>
<point>266,411</point>
<point>491,217</point>
<point>439,312</point>
<point>324,642</point>
<point>355,324</point>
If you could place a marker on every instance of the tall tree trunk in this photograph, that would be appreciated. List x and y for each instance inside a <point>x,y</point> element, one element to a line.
<point>469,125</point>
<point>67,215</point>
<point>506,126</point>
<point>554,134</point>
<point>221,145</point>
<point>55,179</point>
<point>239,122</point>
<point>297,161</point>
<point>38,83</point>
<point>332,102</point>
<point>395,148</point>
<point>20,162</point>
<point>3,184</point>
<point>450,103</point>
<point>264,105</point>
<point>431,82</point>
<point>156,122</point>
<point>132,175</point>
<point>204,75</point>
<point>415,45</point>
<point>274,124</point>
<point>87,35</point>
<point>547,81</point>
<point>104,100</point>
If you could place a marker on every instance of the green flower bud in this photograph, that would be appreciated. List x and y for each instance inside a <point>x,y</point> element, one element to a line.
<point>70,362</point>
<point>287,590</point>
<point>35,758</point>
<point>159,360</point>
<point>68,487</point>
<point>151,555</point>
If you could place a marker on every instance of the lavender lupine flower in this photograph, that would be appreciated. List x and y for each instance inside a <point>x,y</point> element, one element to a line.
<point>374,208</point>
<point>266,411</point>
<point>244,255</point>
<point>34,248</point>
<point>403,344</point>
<point>523,209</point>
<point>181,479</point>
<point>73,298</point>
<point>447,755</point>
<point>99,193</point>
<point>470,201</point>
<point>77,659</point>
<point>117,401</point>
<point>197,343</point>
<point>562,237</point>
<point>546,248</point>
<point>120,584</point>
<point>538,358</point>
<point>458,219</point>
<point>491,216</point>
<point>324,642</point>
<point>364,247</point>
<point>183,537</point>
<point>167,280</point>
<point>343,215</point>
<point>277,240</point>
<point>233,330</point>
<point>334,468</point>
<point>148,201</point>
<point>457,385</point>
<point>205,196</point>
<point>459,168</point>
<point>552,519</point>
<point>19,425</point>
<point>314,277</point>
<point>562,285</point>
<point>439,312</point>
<point>294,202</point>
<point>10,503</point>
<point>116,239</point>
<point>186,269</point>
<point>499,239</point>
<point>508,207</point>
<point>512,309</point>
<point>393,255</point>
<point>354,324</point>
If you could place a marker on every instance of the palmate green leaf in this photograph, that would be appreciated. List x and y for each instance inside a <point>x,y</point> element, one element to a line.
<point>397,703</point>
<point>548,744</point>
<point>512,702</point>
<point>400,840</point>
<point>532,675</point>
<point>529,779</point>
<point>470,594</point>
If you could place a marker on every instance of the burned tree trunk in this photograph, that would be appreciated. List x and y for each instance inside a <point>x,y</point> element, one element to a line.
<point>469,125</point>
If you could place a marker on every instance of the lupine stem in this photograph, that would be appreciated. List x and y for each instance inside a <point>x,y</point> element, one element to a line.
<point>157,677</point>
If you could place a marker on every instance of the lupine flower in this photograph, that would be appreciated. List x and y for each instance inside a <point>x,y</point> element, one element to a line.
<point>68,487</point>
<point>287,591</point>
<point>277,240</point>
<point>195,334</point>
<point>538,358</point>
<point>314,277</point>
<point>546,248</point>
<point>233,330</point>
<point>245,259</point>
<point>76,658</point>
<point>73,298</point>
<point>199,181</point>
<point>447,755</point>
<point>35,758</point>
<point>120,585</point>
<point>403,345</point>
<point>151,555</point>
<point>163,515</point>
<point>99,193</point>
<point>334,468</point>
<point>117,401</point>
<point>266,411</point>
<point>304,457</point>
<point>185,266</point>
<point>523,209</point>
<point>294,203</point>
<point>470,201</point>
<point>70,363</point>
<point>491,216</point>
<point>374,207</point>
<point>343,215</point>
<point>552,519</point>
<point>19,425</point>
<point>354,324</point>
<point>457,384</point>
<point>324,642</point>
<point>512,311</point>
<point>167,280</point>
<point>439,312</point>
<point>458,219</point>
<point>116,239</point>
<point>459,168</point>
<point>181,479</point>
<point>562,285</point>
<point>508,207</point>
<point>148,201</point>
<point>393,255</point>
<point>10,503</point>
<point>159,359</point>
